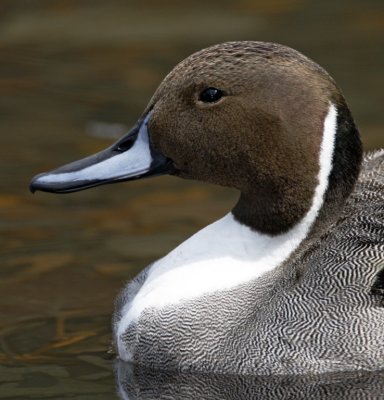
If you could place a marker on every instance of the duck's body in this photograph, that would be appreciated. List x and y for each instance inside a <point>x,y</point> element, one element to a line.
<point>291,280</point>
<point>318,312</point>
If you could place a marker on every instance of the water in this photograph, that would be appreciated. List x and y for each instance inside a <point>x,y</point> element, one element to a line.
<point>74,74</point>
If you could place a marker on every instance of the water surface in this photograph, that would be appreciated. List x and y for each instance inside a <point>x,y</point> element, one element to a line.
<point>69,72</point>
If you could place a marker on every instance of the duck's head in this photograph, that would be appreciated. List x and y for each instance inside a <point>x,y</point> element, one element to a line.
<point>259,117</point>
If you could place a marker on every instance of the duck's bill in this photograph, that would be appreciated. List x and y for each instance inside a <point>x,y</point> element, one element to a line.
<point>132,157</point>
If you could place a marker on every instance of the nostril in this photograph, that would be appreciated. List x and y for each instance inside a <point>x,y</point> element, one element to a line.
<point>125,144</point>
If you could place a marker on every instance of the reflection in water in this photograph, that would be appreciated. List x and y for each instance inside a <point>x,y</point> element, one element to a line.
<point>135,383</point>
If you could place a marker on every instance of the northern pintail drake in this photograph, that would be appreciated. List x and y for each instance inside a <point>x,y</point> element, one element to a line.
<point>291,281</point>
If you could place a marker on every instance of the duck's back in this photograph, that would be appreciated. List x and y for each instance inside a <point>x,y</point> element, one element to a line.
<point>357,237</point>
<point>335,309</point>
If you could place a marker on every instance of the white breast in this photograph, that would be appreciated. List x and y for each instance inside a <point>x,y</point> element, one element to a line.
<point>226,253</point>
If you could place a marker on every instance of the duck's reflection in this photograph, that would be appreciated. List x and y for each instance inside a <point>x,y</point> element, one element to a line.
<point>135,382</point>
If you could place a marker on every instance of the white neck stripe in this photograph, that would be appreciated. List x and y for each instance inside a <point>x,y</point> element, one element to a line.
<point>325,161</point>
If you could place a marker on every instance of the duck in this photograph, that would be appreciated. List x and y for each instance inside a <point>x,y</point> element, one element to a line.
<point>291,280</point>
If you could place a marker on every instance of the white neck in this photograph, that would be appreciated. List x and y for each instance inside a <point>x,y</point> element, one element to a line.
<point>226,253</point>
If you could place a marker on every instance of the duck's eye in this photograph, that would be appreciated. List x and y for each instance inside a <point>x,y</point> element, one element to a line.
<point>211,95</point>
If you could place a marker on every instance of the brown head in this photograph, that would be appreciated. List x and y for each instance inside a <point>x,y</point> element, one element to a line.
<point>248,115</point>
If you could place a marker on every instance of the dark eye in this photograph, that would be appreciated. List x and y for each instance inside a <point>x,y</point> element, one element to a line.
<point>211,95</point>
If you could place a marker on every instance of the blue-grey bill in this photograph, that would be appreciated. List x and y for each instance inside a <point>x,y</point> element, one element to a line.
<point>130,158</point>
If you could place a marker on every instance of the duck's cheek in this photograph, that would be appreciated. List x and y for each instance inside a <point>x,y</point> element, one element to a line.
<point>167,141</point>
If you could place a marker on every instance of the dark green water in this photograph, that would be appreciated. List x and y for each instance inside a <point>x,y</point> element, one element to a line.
<point>70,67</point>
